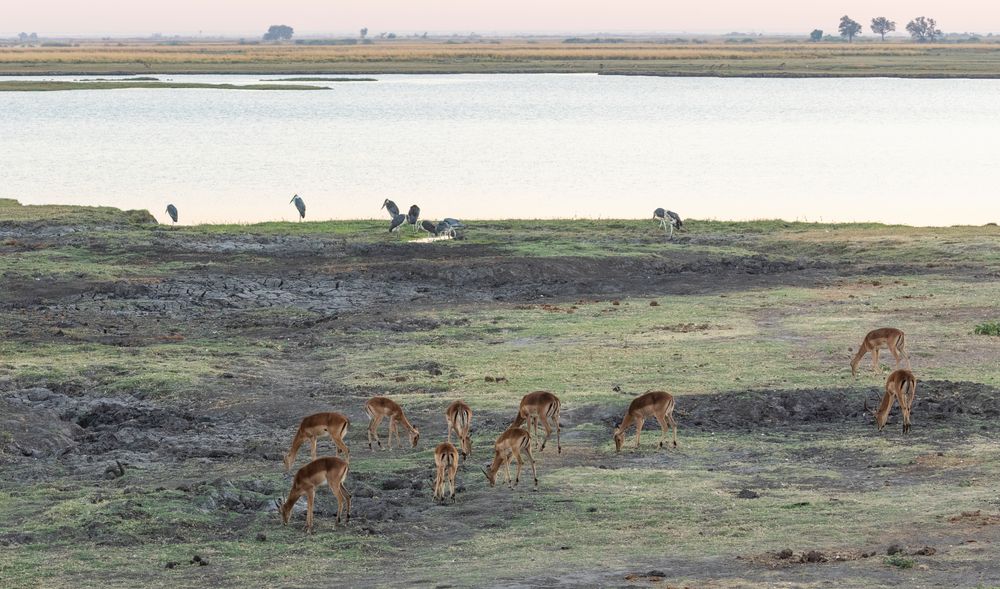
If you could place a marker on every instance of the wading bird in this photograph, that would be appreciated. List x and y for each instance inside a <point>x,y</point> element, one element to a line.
<point>300,205</point>
<point>397,222</point>
<point>668,218</point>
<point>413,215</point>
<point>391,207</point>
<point>429,227</point>
<point>172,211</point>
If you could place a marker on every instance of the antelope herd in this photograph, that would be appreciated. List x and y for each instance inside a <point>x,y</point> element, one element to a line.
<point>515,442</point>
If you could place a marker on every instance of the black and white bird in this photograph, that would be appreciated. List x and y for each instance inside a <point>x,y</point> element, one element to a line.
<point>172,211</point>
<point>445,228</point>
<point>391,207</point>
<point>397,222</point>
<point>413,215</point>
<point>429,227</point>
<point>668,218</point>
<point>300,205</point>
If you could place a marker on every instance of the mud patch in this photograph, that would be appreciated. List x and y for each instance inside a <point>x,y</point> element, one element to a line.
<point>936,400</point>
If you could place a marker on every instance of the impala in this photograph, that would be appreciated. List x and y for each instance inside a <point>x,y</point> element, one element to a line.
<point>314,426</point>
<point>901,386</point>
<point>652,404</point>
<point>459,417</point>
<point>886,337</point>
<point>446,461</point>
<point>330,470</point>
<point>378,408</point>
<point>511,443</point>
<point>539,406</point>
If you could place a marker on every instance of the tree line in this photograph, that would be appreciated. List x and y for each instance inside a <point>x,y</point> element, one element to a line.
<point>921,29</point>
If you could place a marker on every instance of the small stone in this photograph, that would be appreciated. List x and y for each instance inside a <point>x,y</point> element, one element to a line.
<point>894,549</point>
<point>785,554</point>
<point>261,537</point>
<point>747,494</point>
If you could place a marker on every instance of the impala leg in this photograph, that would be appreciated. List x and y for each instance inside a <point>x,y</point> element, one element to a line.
<point>520,461</point>
<point>546,426</point>
<point>451,426</point>
<point>451,479</point>
<point>673,425</point>
<point>531,461</point>
<point>393,429</point>
<point>875,368</point>
<point>335,488</point>
<point>310,496</point>
<point>313,440</point>
<point>664,428</point>
<point>347,501</point>
<point>506,463</point>
<point>341,446</point>
<point>638,430</point>
<point>373,431</point>
<point>895,354</point>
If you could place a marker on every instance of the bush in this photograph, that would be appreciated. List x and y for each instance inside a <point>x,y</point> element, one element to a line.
<point>898,560</point>
<point>988,328</point>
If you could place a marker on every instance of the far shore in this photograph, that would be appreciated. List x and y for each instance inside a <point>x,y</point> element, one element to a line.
<point>723,58</point>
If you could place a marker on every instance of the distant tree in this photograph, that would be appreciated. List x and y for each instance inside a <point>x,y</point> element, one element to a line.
<point>923,29</point>
<point>881,25</point>
<point>849,28</point>
<point>279,33</point>
<point>364,32</point>
<point>391,36</point>
<point>816,35</point>
<point>424,35</point>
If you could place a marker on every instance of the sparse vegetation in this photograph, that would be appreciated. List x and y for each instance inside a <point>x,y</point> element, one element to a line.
<point>694,58</point>
<point>899,561</point>
<point>988,328</point>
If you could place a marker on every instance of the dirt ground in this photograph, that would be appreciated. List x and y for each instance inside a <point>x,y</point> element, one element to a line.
<point>215,450</point>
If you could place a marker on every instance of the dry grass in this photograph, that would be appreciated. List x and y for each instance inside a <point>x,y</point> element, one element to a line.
<point>981,59</point>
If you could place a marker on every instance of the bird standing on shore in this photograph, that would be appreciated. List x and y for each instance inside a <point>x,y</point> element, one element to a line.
<point>172,211</point>
<point>668,218</point>
<point>397,222</point>
<point>391,207</point>
<point>413,215</point>
<point>429,227</point>
<point>300,205</point>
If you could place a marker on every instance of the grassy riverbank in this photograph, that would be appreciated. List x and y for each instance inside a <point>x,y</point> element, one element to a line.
<point>187,355</point>
<point>715,58</point>
<point>49,86</point>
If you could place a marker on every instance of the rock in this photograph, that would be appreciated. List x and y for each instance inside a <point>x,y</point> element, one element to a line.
<point>813,556</point>
<point>747,494</point>
<point>656,573</point>
<point>785,554</point>
<point>894,549</point>
<point>925,551</point>
<point>261,537</point>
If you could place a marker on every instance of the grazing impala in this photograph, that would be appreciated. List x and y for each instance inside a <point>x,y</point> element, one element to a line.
<point>539,406</point>
<point>378,408</point>
<point>511,443</point>
<point>653,404</point>
<point>446,461</point>
<point>330,470</point>
<point>459,417</point>
<point>886,337</point>
<point>314,426</point>
<point>901,386</point>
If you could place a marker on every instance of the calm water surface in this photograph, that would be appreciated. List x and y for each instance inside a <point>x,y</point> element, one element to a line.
<point>494,146</point>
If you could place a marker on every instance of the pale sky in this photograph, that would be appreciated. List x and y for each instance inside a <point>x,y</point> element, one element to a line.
<point>251,17</point>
